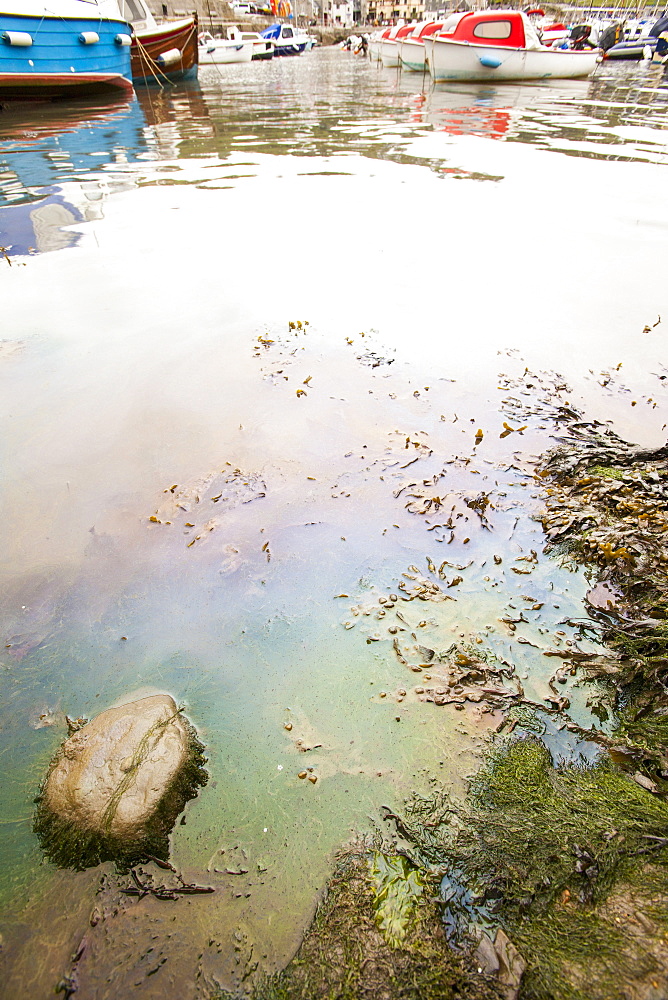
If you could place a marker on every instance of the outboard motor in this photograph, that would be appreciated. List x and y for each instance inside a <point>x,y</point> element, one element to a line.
<point>580,37</point>
<point>610,36</point>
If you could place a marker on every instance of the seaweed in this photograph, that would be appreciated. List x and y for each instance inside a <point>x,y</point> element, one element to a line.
<point>552,855</point>
<point>549,881</point>
<point>607,508</point>
<point>351,954</point>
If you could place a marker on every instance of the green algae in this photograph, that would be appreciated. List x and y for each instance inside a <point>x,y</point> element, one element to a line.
<point>346,955</point>
<point>397,888</point>
<point>605,472</point>
<point>550,854</point>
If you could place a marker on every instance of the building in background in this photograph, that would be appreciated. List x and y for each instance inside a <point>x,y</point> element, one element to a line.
<point>387,11</point>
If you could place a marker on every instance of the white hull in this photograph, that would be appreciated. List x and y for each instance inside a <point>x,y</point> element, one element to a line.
<point>374,49</point>
<point>389,53</point>
<point>412,55</point>
<point>222,50</point>
<point>450,60</point>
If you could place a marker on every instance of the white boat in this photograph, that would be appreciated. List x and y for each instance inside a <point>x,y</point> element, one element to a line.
<point>500,45</point>
<point>412,52</point>
<point>63,47</point>
<point>389,47</point>
<point>288,41</point>
<point>263,48</point>
<point>223,50</point>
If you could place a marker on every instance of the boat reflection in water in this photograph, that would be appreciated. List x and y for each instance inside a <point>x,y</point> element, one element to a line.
<point>47,168</point>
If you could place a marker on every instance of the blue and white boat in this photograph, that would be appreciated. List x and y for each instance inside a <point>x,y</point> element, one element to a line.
<point>288,41</point>
<point>64,47</point>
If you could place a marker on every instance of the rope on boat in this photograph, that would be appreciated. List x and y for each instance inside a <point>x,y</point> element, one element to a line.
<point>151,65</point>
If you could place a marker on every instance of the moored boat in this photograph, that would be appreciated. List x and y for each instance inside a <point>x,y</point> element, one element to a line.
<point>375,41</point>
<point>65,47</point>
<point>161,52</point>
<point>262,48</point>
<point>500,45</point>
<point>288,41</point>
<point>637,48</point>
<point>411,47</point>
<point>639,41</point>
<point>389,47</point>
<point>224,50</point>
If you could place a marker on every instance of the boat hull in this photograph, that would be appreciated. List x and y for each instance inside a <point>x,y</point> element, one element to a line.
<point>632,50</point>
<point>57,63</point>
<point>412,55</point>
<point>374,49</point>
<point>293,49</point>
<point>149,47</point>
<point>220,52</point>
<point>263,48</point>
<point>389,53</point>
<point>452,61</point>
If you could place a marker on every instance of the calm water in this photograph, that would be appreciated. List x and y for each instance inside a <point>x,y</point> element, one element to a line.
<point>456,257</point>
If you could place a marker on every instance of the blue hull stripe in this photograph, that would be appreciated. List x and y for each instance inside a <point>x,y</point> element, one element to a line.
<point>289,50</point>
<point>56,48</point>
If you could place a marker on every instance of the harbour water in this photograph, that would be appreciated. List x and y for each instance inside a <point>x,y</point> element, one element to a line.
<point>265,339</point>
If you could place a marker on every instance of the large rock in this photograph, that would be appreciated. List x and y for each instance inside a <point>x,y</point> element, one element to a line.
<point>116,786</point>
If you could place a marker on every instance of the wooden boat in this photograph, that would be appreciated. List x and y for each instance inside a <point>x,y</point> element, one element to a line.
<point>162,52</point>
<point>500,45</point>
<point>62,48</point>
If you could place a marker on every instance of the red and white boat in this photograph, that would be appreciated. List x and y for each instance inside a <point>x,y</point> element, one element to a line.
<point>554,33</point>
<point>500,45</point>
<point>389,47</point>
<point>376,40</point>
<point>411,47</point>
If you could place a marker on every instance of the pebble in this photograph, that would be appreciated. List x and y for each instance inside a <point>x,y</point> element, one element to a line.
<point>288,726</point>
<point>302,774</point>
<point>312,778</point>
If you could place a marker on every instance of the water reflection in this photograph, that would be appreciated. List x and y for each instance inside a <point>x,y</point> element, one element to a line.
<point>44,163</point>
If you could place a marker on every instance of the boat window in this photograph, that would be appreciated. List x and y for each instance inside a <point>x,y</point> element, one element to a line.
<point>493,29</point>
<point>287,32</point>
<point>133,10</point>
<point>450,24</point>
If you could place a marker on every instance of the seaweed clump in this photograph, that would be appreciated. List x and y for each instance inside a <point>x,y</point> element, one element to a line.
<point>607,507</point>
<point>376,935</point>
<point>570,862</point>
